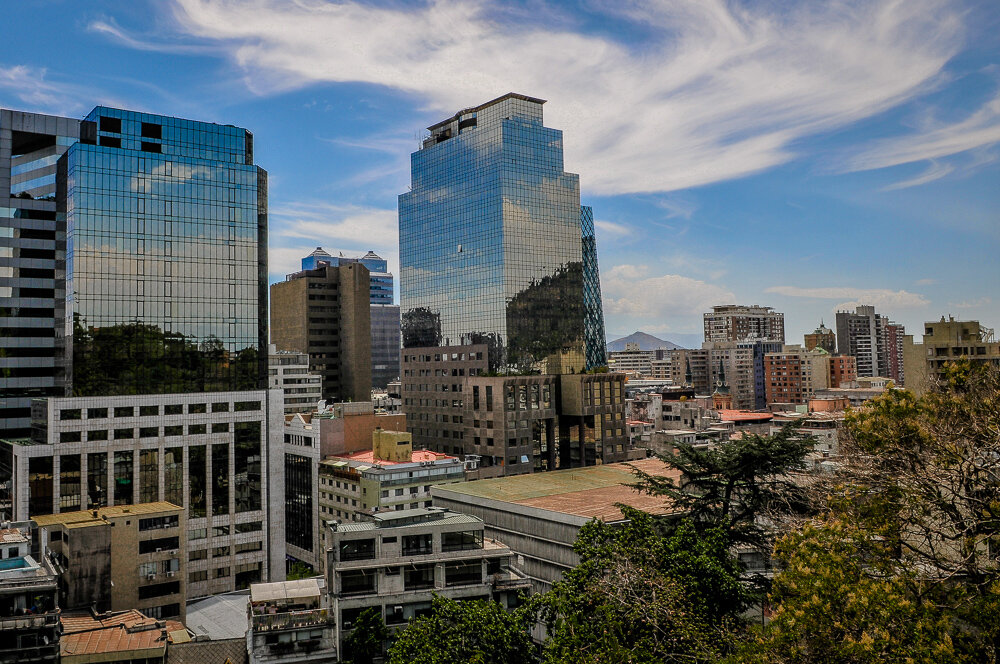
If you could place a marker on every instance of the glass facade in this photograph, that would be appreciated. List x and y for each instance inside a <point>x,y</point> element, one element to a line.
<point>593,332</point>
<point>164,279</point>
<point>299,501</point>
<point>490,238</point>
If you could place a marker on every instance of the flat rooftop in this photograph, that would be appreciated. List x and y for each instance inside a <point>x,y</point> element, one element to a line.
<point>591,493</point>
<point>84,518</point>
<point>368,456</point>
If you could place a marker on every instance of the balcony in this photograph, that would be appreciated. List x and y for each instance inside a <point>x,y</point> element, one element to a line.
<point>49,619</point>
<point>291,620</point>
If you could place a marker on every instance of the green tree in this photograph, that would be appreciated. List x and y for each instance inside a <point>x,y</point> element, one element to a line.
<point>476,631</point>
<point>638,596</point>
<point>367,640</point>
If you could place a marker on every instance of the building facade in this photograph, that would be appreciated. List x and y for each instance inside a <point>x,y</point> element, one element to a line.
<point>325,312</point>
<point>289,372</point>
<point>731,322</point>
<point>291,623</point>
<point>946,341</point>
<point>874,341</point>
<point>215,454</point>
<point>795,374</point>
<point>492,238</point>
<point>29,607</point>
<point>822,337</point>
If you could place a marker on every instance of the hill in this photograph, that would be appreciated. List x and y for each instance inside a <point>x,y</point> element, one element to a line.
<point>645,341</point>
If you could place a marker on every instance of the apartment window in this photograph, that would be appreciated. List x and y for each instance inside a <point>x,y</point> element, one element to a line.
<point>196,408</point>
<point>357,582</point>
<point>157,522</point>
<point>158,544</point>
<point>70,436</point>
<point>357,550</point>
<point>124,411</point>
<point>200,575</point>
<point>220,407</point>
<point>416,545</point>
<point>96,413</point>
<point>199,554</point>
<point>418,577</point>
<point>463,573</point>
<point>149,411</point>
<point>173,409</point>
<point>462,541</point>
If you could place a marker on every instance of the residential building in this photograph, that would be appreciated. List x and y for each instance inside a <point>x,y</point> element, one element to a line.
<point>398,561</point>
<point>217,454</point>
<point>539,516</point>
<point>691,367</point>
<point>325,312</point>
<point>944,342</point>
<point>122,637</point>
<point>843,369</point>
<point>290,622</point>
<point>495,247</point>
<point>732,322</point>
<point>822,337</point>
<point>731,368</point>
<point>118,558</point>
<point>638,363</point>
<point>795,374</point>
<point>32,264</point>
<point>289,371</point>
<point>29,606</point>
<point>873,340</point>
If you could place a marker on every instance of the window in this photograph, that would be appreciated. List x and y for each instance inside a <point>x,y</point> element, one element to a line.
<point>112,125</point>
<point>70,414</point>
<point>149,411</point>
<point>220,531</point>
<point>149,432</point>
<point>198,554</point>
<point>70,436</point>
<point>124,411</point>
<point>195,577</point>
<point>415,545</point>
<point>418,577</point>
<point>221,572</point>
<point>174,430</point>
<point>358,582</point>
<point>241,406</point>
<point>462,541</point>
<point>389,540</point>
<point>463,573</point>
<point>159,589</point>
<point>123,434</point>
<point>156,522</point>
<point>196,408</point>
<point>158,544</point>
<point>173,409</point>
<point>220,552</point>
<point>220,427</point>
<point>250,527</point>
<point>357,550</point>
<point>198,533</point>
<point>151,130</point>
<point>195,429</point>
<point>220,407</point>
<point>249,546</point>
<point>96,413</point>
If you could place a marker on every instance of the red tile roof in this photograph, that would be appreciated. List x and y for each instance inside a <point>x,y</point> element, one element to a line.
<point>124,631</point>
<point>368,456</point>
<point>744,416</point>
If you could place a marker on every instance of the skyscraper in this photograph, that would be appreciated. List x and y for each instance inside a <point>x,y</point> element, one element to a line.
<point>492,240</point>
<point>500,299</point>
<point>874,340</point>
<point>732,322</point>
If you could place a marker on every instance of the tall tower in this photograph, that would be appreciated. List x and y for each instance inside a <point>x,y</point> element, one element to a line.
<point>491,241</point>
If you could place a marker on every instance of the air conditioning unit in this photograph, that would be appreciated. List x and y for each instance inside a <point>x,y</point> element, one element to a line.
<point>171,574</point>
<point>173,552</point>
<point>150,577</point>
<point>158,550</point>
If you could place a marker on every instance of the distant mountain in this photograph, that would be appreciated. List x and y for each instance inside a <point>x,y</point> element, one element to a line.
<point>645,341</point>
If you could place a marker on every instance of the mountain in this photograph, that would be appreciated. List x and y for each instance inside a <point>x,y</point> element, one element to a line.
<point>645,341</point>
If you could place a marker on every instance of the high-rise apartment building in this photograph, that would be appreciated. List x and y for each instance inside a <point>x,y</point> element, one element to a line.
<point>325,312</point>
<point>146,238</point>
<point>795,374</point>
<point>289,371</point>
<point>946,341</point>
<point>492,239</point>
<point>731,322</point>
<point>874,341</point>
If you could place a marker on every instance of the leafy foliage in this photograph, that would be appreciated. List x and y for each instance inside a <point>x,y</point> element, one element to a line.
<point>476,631</point>
<point>365,643</point>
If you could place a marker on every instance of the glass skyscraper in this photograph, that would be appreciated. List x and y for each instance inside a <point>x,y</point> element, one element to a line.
<point>166,260</point>
<point>492,239</point>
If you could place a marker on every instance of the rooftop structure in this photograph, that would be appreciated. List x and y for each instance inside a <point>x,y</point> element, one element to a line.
<point>290,622</point>
<point>29,611</point>
<point>124,636</point>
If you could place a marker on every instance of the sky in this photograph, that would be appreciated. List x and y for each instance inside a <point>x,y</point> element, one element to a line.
<point>807,155</point>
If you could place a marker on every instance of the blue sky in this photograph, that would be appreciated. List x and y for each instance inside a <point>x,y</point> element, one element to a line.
<point>802,155</point>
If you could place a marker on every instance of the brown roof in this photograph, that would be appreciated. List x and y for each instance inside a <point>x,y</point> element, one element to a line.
<point>12,536</point>
<point>124,631</point>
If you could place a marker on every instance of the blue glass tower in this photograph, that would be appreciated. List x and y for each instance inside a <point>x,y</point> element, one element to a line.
<point>490,239</point>
<point>166,260</point>
<point>593,331</point>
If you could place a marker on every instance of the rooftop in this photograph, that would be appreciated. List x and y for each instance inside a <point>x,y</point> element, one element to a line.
<point>475,109</point>
<point>284,591</point>
<point>591,492</point>
<point>219,617</point>
<point>85,634</point>
<point>413,518</point>
<point>12,536</point>
<point>744,416</point>
<point>368,456</point>
<point>85,518</point>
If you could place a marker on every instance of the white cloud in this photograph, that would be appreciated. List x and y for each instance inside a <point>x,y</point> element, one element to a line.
<point>611,228</point>
<point>717,91</point>
<point>634,298</point>
<point>934,141</point>
<point>972,304</point>
<point>935,171</point>
<point>33,90</point>
<point>884,300</point>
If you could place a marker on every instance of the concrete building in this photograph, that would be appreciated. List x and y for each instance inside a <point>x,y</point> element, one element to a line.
<point>843,369</point>
<point>118,558</point>
<point>29,606</point>
<point>290,623</point>
<point>637,363</point>
<point>822,337</point>
<point>732,322</point>
<point>397,561</point>
<point>217,454</point>
<point>325,312</point>
<point>289,372</point>
<point>539,517</point>
<point>873,340</point>
<point>945,341</point>
<point>691,367</point>
<point>511,424</point>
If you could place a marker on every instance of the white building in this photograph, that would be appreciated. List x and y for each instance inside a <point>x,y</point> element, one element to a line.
<point>215,453</point>
<point>289,371</point>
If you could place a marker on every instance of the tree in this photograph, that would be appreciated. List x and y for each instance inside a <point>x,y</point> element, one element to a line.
<point>476,631</point>
<point>638,596</point>
<point>737,486</point>
<point>367,640</point>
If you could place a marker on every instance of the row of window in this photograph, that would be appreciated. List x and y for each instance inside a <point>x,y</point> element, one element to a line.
<point>153,410</point>
<point>144,432</point>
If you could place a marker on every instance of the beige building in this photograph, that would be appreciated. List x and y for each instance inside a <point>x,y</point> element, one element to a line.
<point>121,557</point>
<point>325,313</point>
<point>946,341</point>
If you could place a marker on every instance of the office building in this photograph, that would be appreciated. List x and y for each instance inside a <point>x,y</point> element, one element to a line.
<point>944,342</point>
<point>29,607</point>
<point>32,264</point>
<point>874,341</point>
<point>217,454</point>
<point>289,372</point>
<point>384,314</point>
<point>397,561</point>
<point>325,312</point>
<point>290,623</point>
<point>492,238</point>
<point>119,558</point>
<point>822,337</point>
<point>732,322</point>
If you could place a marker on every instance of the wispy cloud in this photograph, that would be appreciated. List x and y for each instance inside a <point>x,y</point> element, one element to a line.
<point>720,90</point>
<point>984,301</point>
<point>35,91</point>
<point>612,229</point>
<point>935,171</point>
<point>883,299</point>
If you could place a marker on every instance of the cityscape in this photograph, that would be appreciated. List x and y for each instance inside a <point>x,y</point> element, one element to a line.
<point>706,395</point>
